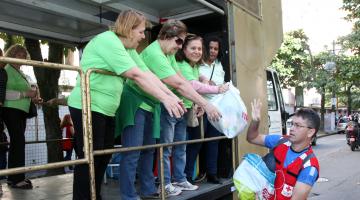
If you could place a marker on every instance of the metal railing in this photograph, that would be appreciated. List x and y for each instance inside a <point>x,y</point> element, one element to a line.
<point>89,153</point>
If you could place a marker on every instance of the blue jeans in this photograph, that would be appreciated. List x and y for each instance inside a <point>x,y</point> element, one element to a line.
<point>137,135</point>
<point>173,130</point>
<point>211,149</point>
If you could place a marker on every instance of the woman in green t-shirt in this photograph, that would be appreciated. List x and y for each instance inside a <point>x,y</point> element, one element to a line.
<point>107,51</point>
<point>159,57</point>
<point>15,111</point>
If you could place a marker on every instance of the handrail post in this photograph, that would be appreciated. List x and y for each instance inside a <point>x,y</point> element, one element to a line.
<point>162,183</point>
<point>89,141</point>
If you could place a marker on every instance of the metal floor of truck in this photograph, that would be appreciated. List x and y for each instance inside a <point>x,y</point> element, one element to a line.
<point>60,188</point>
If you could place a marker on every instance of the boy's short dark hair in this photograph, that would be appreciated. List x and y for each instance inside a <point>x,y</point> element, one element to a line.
<point>310,116</point>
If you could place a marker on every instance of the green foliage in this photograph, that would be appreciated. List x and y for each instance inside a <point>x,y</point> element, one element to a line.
<point>292,61</point>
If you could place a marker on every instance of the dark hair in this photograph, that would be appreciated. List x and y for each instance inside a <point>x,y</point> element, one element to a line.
<point>207,41</point>
<point>172,28</point>
<point>1,52</point>
<point>180,55</point>
<point>310,116</point>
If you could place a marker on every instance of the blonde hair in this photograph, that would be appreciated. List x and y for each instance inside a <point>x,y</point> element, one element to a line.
<point>15,49</point>
<point>127,21</point>
<point>172,28</point>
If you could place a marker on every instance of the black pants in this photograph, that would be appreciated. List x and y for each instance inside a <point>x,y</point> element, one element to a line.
<point>211,149</point>
<point>103,138</point>
<point>15,121</point>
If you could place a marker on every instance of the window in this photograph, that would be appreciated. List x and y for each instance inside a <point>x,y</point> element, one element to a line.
<point>271,94</point>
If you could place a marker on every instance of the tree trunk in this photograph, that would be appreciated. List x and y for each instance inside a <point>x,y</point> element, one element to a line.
<point>322,109</point>
<point>349,99</point>
<point>299,96</point>
<point>47,80</point>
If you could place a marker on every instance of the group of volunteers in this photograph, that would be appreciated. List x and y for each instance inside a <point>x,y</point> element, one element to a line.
<point>150,100</point>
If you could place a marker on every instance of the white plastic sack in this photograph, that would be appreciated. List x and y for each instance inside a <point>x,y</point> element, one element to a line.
<point>253,180</point>
<point>233,111</point>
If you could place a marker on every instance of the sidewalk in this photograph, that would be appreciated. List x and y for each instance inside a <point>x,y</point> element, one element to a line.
<point>325,133</point>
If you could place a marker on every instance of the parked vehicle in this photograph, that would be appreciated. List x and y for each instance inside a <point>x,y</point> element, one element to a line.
<point>353,135</point>
<point>341,125</point>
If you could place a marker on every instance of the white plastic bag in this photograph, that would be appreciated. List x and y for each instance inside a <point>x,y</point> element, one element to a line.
<point>233,111</point>
<point>253,180</point>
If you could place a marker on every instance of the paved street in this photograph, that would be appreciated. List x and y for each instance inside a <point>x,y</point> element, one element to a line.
<point>339,170</point>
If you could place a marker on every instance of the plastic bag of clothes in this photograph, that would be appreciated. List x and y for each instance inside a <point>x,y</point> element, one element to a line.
<point>233,111</point>
<point>253,180</point>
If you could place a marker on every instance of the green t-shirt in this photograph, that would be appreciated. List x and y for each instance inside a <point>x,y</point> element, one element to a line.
<point>163,66</point>
<point>190,73</point>
<point>17,82</point>
<point>105,52</point>
<point>140,63</point>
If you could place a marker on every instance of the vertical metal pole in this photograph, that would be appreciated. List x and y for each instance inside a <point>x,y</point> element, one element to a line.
<point>90,137</point>
<point>36,128</point>
<point>162,184</point>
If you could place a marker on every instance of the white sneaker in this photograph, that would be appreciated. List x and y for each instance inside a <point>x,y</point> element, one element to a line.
<point>170,190</point>
<point>186,185</point>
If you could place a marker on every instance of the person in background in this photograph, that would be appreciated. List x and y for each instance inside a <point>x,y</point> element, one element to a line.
<point>66,125</point>
<point>3,138</point>
<point>15,111</point>
<point>107,51</point>
<point>138,122</point>
<point>297,167</point>
<point>212,73</point>
<point>159,57</point>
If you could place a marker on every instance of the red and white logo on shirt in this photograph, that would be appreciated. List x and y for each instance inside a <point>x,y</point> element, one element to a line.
<point>287,190</point>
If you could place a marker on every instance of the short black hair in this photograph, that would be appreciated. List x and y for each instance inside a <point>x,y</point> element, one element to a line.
<point>207,41</point>
<point>310,116</point>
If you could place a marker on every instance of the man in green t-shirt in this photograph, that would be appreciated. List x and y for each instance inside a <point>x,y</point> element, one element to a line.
<point>107,51</point>
<point>159,58</point>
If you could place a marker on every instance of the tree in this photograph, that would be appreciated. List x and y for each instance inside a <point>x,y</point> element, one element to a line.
<point>47,80</point>
<point>320,80</point>
<point>293,63</point>
<point>348,75</point>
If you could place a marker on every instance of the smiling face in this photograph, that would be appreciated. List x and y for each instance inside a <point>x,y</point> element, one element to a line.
<point>193,51</point>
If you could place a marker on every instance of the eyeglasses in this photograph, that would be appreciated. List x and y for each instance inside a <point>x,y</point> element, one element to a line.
<point>296,125</point>
<point>179,41</point>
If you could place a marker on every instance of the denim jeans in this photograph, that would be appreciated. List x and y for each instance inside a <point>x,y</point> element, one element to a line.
<point>211,149</point>
<point>173,130</point>
<point>137,135</point>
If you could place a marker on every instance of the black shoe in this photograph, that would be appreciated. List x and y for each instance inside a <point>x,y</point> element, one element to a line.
<point>213,179</point>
